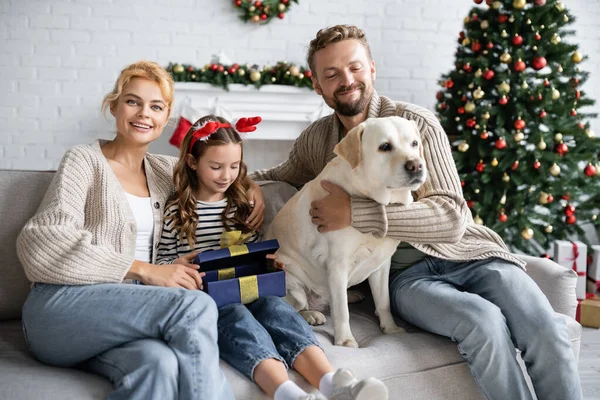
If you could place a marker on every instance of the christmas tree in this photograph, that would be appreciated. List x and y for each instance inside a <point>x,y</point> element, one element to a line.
<point>512,107</point>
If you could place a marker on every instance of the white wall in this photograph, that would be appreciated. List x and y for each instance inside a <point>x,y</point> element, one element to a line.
<point>58,58</point>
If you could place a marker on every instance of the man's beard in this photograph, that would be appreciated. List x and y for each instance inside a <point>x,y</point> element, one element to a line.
<point>352,108</point>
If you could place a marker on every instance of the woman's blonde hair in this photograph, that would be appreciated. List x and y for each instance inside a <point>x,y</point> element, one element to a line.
<point>186,183</point>
<point>334,34</point>
<point>141,69</point>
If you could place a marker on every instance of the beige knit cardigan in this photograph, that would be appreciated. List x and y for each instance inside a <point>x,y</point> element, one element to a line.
<point>84,231</point>
<point>438,223</point>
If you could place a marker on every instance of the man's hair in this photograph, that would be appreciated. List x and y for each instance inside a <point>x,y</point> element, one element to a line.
<point>335,34</point>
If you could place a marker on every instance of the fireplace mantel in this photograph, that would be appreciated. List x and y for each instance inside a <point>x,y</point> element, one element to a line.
<point>285,110</point>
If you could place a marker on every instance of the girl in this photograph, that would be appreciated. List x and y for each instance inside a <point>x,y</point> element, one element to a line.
<point>96,227</point>
<point>265,337</point>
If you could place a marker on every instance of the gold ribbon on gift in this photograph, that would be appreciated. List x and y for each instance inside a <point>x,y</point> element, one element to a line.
<point>225,273</point>
<point>233,238</point>
<point>238,250</point>
<point>248,289</point>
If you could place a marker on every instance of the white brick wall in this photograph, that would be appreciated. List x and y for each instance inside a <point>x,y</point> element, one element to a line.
<point>58,58</point>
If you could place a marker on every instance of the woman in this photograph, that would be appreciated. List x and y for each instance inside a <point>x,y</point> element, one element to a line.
<point>97,227</point>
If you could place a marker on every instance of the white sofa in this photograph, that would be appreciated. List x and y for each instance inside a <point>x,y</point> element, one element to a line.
<point>416,365</point>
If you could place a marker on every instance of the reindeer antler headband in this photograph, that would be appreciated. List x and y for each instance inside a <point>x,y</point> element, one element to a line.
<point>243,125</point>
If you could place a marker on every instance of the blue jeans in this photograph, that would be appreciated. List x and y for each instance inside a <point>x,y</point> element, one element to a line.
<point>151,342</point>
<point>266,328</point>
<point>490,307</point>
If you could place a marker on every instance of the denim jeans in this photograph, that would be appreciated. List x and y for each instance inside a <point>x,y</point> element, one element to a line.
<point>150,342</point>
<point>266,328</point>
<point>490,307</point>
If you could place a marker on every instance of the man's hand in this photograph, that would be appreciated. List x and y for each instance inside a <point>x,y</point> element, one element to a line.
<point>334,211</point>
<point>257,202</point>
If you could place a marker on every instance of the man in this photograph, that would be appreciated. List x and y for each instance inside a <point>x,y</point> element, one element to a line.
<point>449,276</point>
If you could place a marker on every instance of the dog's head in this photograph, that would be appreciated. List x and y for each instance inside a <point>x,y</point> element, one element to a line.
<point>387,152</point>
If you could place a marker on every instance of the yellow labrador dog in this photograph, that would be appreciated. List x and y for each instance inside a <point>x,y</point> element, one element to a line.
<point>379,159</point>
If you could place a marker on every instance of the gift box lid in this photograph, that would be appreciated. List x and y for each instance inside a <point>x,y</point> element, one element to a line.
<point>236,255</point>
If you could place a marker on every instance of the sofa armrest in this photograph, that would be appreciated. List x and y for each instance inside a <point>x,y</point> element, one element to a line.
<point>276,194</point>
<point>557,283</point>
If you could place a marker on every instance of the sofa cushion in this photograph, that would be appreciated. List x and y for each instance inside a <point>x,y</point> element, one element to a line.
<point>16,207</point>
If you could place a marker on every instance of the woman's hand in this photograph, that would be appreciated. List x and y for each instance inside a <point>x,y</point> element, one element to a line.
<point>184,275</point>
<point>257,202</point>
<point>274,262</point>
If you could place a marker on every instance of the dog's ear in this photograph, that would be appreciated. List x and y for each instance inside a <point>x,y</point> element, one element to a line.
<point>349,148</point>
<point>414,123</point>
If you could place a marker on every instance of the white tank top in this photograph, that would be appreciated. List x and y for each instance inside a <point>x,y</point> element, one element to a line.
<point>144,220</point>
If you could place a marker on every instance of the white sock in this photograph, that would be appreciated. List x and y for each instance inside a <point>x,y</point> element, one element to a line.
<point>326,384</point>
<point>288,390</point>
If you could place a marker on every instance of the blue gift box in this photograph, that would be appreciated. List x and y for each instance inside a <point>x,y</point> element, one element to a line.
<point>239,274</point>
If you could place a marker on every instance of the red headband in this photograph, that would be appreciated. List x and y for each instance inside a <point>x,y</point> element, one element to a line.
<point>243,125</point>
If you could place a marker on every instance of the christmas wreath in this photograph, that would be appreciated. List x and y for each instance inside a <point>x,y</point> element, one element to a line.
<point>222,75</point>
<point>262,11</point>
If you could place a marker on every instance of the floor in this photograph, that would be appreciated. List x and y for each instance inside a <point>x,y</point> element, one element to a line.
<point>589,364</point>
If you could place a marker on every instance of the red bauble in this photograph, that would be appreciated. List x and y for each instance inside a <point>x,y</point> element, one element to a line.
<point>258,4</point>
<point>573,112</point>
<point>308,74</point>
<point>500,143</point>
<point>546,83</point>
<point>490,45</point>
<point>467,67</point>
<point>502,18</point>
<point>519,65</point>
<point>284,1</point>
<point>478,1</point>
<point>577,94</point>
<point>519,124</point>
<point>231,70</point>
<point>561,149</point>
<point>484,135</point>
<point>475,18</point>
<point>480,166</point>
<point>439,95</point>
<point>566,197</point>
<point>502,217</point>
<point>449,83</point>
<point>569,210</point>
<point>280,15</point>
<point>443,106</point>
<point>537,164</point>
<point>470,203</point>
<point>538,36</point>
<point>464,98</point>
<point>550,198</point>
<point>543,114</point>
<point>574,82</point>
<point>213,67</point>
<point>461,35</point>
<point>488,74</point>
<point>461,110</point>
<point>545,255</point>
<point>590,170</point>
<point>220,68</point>
<point>570,220</point>
<point>503,100</point>
<point>470,123</point>
<point>263,16</point>
<point>538,62</point>
<point>515,165</point>
<point>462,183</point>
<point>476,47</point>
<point>539,2</point>
<point>238,3</point>
<point>517,40</point>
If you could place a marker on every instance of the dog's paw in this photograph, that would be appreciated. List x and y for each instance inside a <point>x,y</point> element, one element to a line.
<point>392,329</point>
<point>313,317</point>
<point>347,342</point>
<point>354,296</point>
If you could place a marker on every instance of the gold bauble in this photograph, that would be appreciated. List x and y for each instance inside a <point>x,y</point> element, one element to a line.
<point>543,198</point>
<point>478,220</point>
<point>555,94</point>
<point>471,85</point>
<point>559,68</point>
<point>503,88</point>
<point>558,137</point>
<point>503,33</point>
<point>594,217</point>
<point>467,20</point>
<point>524,85</point>
<point>273,79</point>
<point>555,39</point>
<point>486,115</point>
<point>241,72</point>
<point>548,229</point>
<point>590,133</point>
<point>463,146</point>
<point>466,41</point>
<point>566,18</point>
<point>597,169</point>
<point>255,76</point>
<point>294,70</point>
<point>255,19</point>
<point>534,48</point>
<point>519,4</point>
<point>478,73</point>
<point>503,199</point>
<point>281,7</point>
<point>528,21</point>
<point>178,69</point>
<point>559,6</point>
<point>505,58</point>
<point>301,76</point>
<point>484,24</point>
<point>576,57</point>
<point>554,170</point>
<point>527,233</point>
<point>505,178</point>
<point>478,93</point>
<point>519,136</point>
<point>531,189</point>
<point>511,19</point>
<point>542,145</point>
<point>252,9</point>
<point>496,5</point>
<point>470,107</point>
<point>494,162</point>
<point>476,191</point>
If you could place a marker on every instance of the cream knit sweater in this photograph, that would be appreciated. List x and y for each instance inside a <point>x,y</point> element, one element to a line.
<point>438,223</point>
<point>84,230</point>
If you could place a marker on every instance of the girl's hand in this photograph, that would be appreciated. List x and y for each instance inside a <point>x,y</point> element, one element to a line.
<point>274,261</point>
<point>172,275</point>
<point>255,196</point>
<point>187,260</point>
